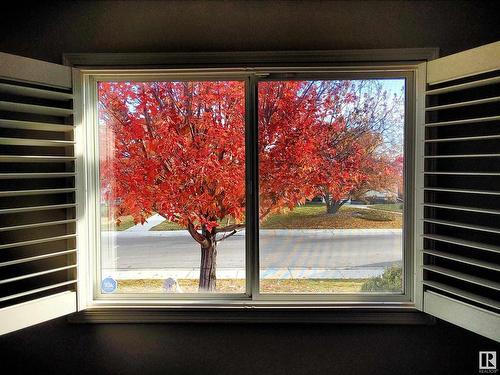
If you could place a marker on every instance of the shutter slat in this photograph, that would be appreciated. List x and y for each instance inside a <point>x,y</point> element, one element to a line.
<point>37,225</point>
<point>35,142</point>
<point>464,86</point>
<point>34,92</point>
<point>31,125</point>
<point>460,293</point>
<point>37,290</point>
<point>460,139</point>
<point>36,109</point>
<point>464,191</point>
<point>35,208</point>
<point>17,193</point>
<point>463,208</point>
<point>458,156</point>
<point>464,104</point>
<point>36,274</point>
<point>463,173</point>
<point>464,121</point>
<point>463,276</point>
<point>38,241</point>
<point>466,243</point>
<point>462,259</point>
<point>35,159</point>
<point>38,257</point>
<point>463,226</point>
<point>9,176</point>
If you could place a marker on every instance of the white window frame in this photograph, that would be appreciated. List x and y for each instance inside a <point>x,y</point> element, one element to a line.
<point>87,228</point>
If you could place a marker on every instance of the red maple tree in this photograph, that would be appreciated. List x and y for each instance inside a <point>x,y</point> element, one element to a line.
<point>178,149</point>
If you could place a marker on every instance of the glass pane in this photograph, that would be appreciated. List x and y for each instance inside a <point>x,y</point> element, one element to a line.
<point>331,186</point>
<point>172,186</point>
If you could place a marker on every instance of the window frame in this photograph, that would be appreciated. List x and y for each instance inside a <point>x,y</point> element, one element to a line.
<point>414,74</point>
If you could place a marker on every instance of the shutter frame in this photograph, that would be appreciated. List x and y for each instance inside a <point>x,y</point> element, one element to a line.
<point>37,193</point>
<point>459,263</point>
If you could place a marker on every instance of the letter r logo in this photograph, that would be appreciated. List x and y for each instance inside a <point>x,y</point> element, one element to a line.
<point>487,360</point>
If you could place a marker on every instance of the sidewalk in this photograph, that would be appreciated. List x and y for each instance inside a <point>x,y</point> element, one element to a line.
<point>151,222</point>
<point>239,273</point>
<point>136,230</point>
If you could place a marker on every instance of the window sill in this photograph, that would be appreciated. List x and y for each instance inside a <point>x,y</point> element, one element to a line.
<point>310,315</point>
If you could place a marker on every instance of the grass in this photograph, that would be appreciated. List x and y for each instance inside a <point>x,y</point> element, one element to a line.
<point>168,225</point>
<point>126,223</point>
<point>395,207</point>
<point>238,286</point>
<point>314,216</point>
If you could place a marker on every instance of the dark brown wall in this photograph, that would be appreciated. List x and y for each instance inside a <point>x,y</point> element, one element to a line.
<point>47,30</point>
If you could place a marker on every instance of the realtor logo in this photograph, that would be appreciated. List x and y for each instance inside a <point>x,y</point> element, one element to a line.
<point>488,362</point>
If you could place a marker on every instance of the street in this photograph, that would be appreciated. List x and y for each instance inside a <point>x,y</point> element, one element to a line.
<point>279,249</point>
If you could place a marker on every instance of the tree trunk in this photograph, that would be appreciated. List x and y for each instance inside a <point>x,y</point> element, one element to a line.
<point>332,206</point>
<point>208,265</point>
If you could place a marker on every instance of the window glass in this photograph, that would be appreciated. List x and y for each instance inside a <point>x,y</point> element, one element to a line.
<point>331,186</point>
<point>172,186</point>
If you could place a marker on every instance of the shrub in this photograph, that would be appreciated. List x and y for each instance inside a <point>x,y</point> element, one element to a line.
<point>390,281</point>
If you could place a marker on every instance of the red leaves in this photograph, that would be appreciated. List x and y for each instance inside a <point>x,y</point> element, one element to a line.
<point>178,148</point>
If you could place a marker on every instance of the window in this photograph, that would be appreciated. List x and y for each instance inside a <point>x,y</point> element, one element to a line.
<point>331,195</point>
<point>172,186</point>
<point>174,211</point>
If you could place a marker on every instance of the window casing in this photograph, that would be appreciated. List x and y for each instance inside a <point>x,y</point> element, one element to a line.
<point>92,295</point>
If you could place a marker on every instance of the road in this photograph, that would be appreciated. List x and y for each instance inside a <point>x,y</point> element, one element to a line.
<point>278,249</point>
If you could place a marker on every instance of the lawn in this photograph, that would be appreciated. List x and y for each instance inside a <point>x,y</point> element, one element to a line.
<point>395,207</point>
<point>314,216</point>
<point>238,286</point>
<point>126,223</point>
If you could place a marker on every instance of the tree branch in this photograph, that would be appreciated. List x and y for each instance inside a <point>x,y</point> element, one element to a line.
<point>230,228</point>
<point>227,235</point>
<point>201,239</point>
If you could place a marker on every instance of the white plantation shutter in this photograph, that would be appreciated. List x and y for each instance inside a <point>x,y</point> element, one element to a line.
<point>37,193</point>
<point>459,251</point>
